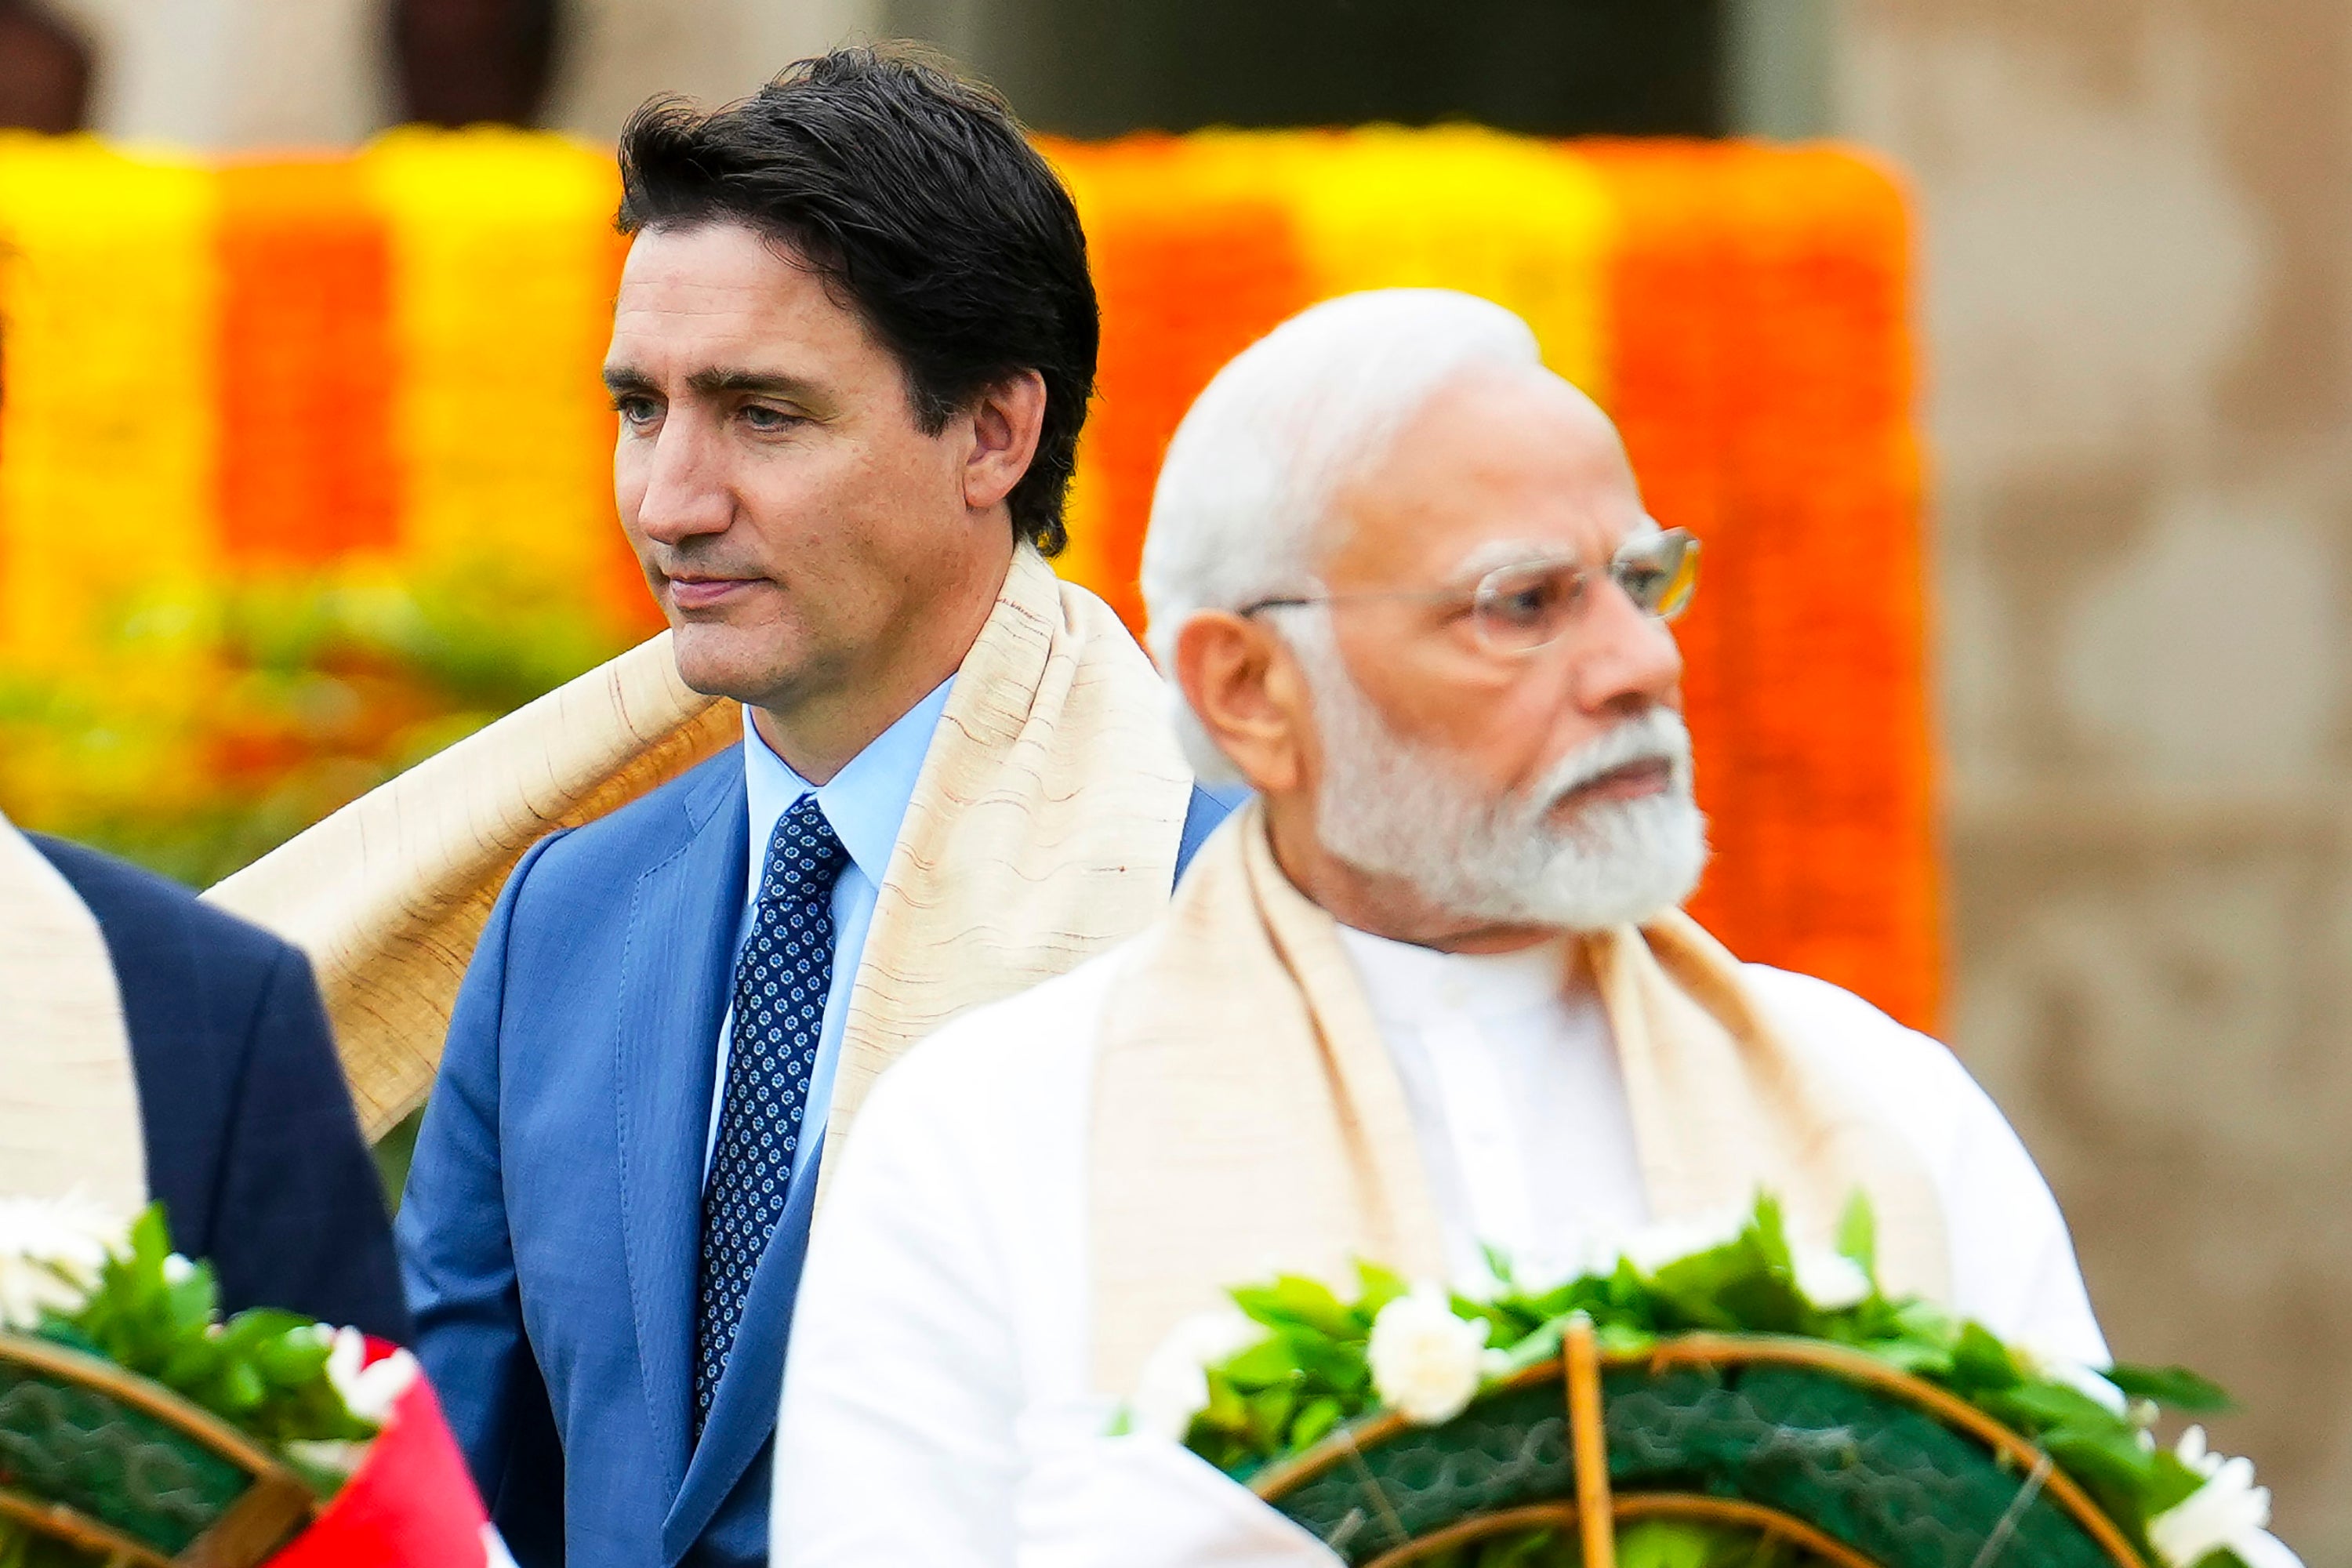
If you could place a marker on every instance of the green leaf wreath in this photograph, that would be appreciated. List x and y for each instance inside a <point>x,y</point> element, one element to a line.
<point>1305,1361</point>
<point>72,1277</point>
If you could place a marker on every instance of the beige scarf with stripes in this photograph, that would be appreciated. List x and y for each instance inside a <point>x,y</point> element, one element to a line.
<point>1043,827</point>
<point>68,1098</point>
<point>1246,1114</point>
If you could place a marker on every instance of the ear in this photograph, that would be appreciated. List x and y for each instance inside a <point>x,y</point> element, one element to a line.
<point>1250,695</point>
<point>1005,425</point>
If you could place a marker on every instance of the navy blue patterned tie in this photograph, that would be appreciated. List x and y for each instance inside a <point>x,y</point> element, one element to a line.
<point>781,981</point>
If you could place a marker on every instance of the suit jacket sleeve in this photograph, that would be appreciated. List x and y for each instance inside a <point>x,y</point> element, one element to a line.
<point>301,1220</point>
<point>252,1148</point>
<point>457,1260</point>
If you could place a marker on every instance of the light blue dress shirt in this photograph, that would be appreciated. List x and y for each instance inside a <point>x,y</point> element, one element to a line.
<point>866,803</point>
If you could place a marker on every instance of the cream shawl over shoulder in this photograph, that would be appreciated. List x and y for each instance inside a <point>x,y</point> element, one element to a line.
<point>68,1097</point>
<point>1248,1117</point>
<point>1043,827</point>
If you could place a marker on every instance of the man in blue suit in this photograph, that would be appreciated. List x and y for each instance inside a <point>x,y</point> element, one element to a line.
<point>251,1145</point>
<point>852,349</point>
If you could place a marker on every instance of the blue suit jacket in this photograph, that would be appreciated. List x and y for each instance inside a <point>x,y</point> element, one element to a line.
<point>551,1233</point>
<point>252,1147</point>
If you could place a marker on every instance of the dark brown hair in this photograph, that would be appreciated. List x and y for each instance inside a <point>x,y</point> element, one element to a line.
<point>918,198</point>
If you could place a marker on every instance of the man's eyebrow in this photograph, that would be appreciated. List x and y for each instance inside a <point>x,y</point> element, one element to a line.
<point>765,383</point>
<point>1500,553</point>
<point>1496,554</point>
<point>718,380</point>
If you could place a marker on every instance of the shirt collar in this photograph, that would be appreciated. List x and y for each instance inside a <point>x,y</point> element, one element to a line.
<point>866,802</point>
<point>1406,984</point>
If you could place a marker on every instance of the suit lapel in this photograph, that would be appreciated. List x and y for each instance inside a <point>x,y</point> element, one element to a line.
<point>744,1410</point>
<point>672,994</point>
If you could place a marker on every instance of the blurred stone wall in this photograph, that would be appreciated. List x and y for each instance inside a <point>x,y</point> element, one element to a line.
<point>236,73</point>
<point>714,50</point>
<point>231,75</point>
<point>2137,257</point>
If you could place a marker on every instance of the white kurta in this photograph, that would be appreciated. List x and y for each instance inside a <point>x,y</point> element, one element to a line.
<point>938,1406</point>
<point>1516,1100</point>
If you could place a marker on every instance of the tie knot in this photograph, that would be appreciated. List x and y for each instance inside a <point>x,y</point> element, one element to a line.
<point>804,855</point>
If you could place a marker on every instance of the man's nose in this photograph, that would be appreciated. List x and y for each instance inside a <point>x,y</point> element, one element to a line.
<point>686,493</point>
<point>1624,657</point>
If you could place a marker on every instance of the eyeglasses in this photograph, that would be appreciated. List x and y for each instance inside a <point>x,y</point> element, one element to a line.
<point>1516,609</point>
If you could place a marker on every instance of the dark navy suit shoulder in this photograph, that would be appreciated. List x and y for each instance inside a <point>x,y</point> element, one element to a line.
<point>145,915</point>
<point>252,1146</point>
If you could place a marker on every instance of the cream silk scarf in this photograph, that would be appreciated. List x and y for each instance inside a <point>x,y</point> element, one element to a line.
<point>1044,826</point>
<point>388,895</point>
<point>1246,1116</point>
<point>68,1098</point>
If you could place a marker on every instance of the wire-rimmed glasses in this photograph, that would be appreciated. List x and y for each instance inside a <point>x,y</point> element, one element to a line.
<point>1529,605</point>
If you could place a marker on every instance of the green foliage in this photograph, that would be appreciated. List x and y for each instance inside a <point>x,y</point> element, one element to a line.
<point>263,1372</point>
<point>1311,1372</point>
<point>1641,1543</point>
<point>2176,1386</point>
<point>1858,1234</point>
<point>1305,1378</point>
<point>212,725</point>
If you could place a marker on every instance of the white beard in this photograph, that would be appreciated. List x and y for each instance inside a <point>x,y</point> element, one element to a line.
<point>1394,808</point>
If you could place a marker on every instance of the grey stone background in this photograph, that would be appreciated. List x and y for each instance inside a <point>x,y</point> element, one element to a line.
<point>2138,266</point>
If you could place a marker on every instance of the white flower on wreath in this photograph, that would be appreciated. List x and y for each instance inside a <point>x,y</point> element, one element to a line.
<point>51,1250</point>
<point>369,1390</point>
<point>1830,1280</point>
<point>2228,1511</point>
<point>1173,1386</point>
<point>1426,1362</point>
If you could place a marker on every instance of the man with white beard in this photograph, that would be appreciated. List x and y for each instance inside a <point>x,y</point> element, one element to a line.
<point>1431,992</point>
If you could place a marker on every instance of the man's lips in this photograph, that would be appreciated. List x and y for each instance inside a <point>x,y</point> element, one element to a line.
<point>1632,781</point>
<point>702,592</point>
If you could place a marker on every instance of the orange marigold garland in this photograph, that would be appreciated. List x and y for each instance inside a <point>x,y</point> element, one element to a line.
<point>1763,384</point>
<point>1670,362</point>
<point>1835,772</point>
<point>504,264</point>
<point>1187,278</point>
<point>306,370</point>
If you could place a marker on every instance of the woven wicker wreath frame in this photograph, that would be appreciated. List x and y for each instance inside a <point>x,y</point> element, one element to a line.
<point>1594,1511</point>
<point>272,1508</point>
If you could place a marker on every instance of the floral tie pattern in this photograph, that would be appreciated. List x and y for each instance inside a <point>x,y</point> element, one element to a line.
<point>781,981</point>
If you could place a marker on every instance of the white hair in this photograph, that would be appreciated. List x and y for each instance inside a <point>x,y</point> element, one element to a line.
<point>1252,470</point>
